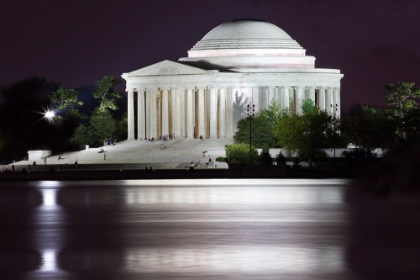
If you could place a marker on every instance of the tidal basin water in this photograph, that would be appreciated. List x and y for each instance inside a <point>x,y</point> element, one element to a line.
<point>205,229</point>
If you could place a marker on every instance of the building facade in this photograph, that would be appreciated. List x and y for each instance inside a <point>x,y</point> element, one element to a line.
<point>237,64</point>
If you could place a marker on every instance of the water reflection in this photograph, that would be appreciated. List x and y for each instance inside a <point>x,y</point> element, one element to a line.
<point>237,195</point>
<point>235,259</point>
<point>49,260</point>
<point>207,227</point>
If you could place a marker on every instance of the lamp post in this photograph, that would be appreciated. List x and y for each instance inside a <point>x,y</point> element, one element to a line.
<point>250,111</point>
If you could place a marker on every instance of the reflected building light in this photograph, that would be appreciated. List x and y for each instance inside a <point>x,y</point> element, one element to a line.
<point>242,182</point>
<point>49,197</point>
<point>236,195</point>
<point>47,184</point>
<point>49,260</point>
<point>236,259</point>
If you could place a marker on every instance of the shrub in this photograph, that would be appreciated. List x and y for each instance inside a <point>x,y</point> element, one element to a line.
<point>265,157</point>
<point>240,153</point>
<point>221,159</point>
<point>281,159</point>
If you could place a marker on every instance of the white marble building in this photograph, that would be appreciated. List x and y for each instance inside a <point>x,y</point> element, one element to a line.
<point>236,64</point>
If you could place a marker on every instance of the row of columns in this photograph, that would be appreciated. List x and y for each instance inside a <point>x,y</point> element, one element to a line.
<point>207,112</point>
<point>291,98</point>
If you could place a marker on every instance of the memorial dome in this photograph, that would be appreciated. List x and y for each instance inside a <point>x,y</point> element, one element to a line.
<point>249,44</point>
<point>246,34</point>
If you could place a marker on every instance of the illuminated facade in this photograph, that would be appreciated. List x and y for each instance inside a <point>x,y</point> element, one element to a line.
<point>236,64</point>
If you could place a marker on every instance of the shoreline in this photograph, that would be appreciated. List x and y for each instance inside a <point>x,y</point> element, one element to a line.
<point>234,172</point>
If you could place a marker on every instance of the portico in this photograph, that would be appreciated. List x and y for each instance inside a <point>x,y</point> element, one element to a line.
<point>206,93</point>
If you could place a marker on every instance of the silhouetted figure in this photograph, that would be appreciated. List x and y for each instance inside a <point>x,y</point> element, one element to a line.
<point>75,164</point>
<point>13,168</point>
<point>34,163</point>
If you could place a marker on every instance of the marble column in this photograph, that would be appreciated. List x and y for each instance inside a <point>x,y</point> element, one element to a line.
<point>213,112</point>
<point>222,112</point>
<point>182,115</point>
<point>255,99</point>
<point>298,100</point>
<point>165,114</point>
<point>201,113</point>
<point>179,114</point>
<point>173,122</point>
<point>270,95</point>
<point>286,99</point>
<point>311,94</point>
<point>141,114</point>
<point>321,98</point>
<point>130,113</point>
<point>328,101</point>
<point>189,114</point>
<point>153,125</point>
<point>229,113</point>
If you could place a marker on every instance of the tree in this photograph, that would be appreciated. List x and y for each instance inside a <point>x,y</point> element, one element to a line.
<point>400,96</point>
<point>369,128</point>
<point>107,93</point>
<point>102,125</point>
<point>308,106</point>
<point>334,135</point>
<point>273,113</point>
<point>400,103</point>
<point>308,133</point>
<point>241,153</point>
<point>265,157</point>
<point>261,131</point>
<point>66,100</point>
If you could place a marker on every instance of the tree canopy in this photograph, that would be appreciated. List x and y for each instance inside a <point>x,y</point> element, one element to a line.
<point>308,134</point>
<point>65,100</point>
<point>400,97</point>
<point>261,129</point>
<point>107,93</point>
<point>369,128</point>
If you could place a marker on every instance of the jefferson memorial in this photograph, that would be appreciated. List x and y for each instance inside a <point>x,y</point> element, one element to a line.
<point>237,64</point>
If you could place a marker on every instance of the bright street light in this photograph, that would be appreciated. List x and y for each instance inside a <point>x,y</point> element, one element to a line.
<point>49,115</point>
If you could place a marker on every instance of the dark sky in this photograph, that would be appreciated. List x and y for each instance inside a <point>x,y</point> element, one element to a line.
<point>77,42</point>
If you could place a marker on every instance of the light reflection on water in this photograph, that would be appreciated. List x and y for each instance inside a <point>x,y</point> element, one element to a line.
<point>49,260</point>
<point>239,259</point>
<point>237,195</point>
<point>272,191</point>
<point>259,201</point>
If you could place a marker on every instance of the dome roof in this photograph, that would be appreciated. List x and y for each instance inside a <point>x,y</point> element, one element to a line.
<point>246,29</point>
<point>246,34</point>
<point>249,44</point>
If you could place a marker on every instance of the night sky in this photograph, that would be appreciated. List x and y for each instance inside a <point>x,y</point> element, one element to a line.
<point>76,43</point>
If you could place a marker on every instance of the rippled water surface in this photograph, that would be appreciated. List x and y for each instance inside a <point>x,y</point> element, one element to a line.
<point>205,229</point>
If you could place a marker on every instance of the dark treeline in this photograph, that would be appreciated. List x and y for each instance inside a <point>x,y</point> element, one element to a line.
<point>23,125</point>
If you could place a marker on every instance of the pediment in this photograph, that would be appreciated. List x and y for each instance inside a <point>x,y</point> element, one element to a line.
<point>166,68</point>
